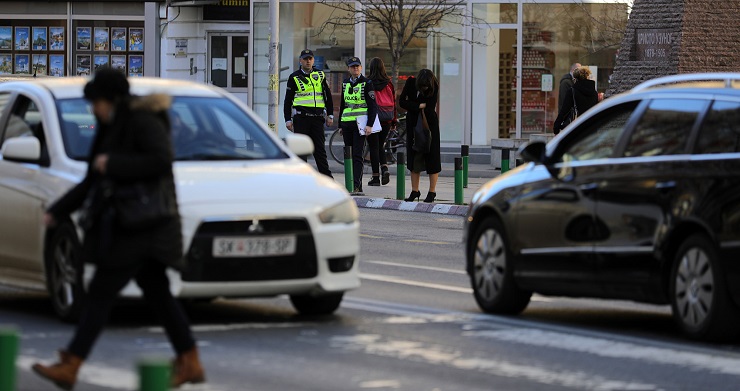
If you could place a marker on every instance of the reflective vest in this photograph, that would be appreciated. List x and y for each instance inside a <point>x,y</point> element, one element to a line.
<point>354,102</point>
<point>310,91</point>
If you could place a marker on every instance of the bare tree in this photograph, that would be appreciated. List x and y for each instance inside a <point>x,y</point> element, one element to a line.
<point>401,21</point>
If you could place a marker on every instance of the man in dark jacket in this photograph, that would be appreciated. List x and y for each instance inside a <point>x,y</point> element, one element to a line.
<point>308,105</point>
<point>582,96</point>
<point>132,145</point>
<point>566,83</point>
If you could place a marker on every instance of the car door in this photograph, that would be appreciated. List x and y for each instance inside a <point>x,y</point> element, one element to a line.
<point>22,195</point>
<point>556,228</point>
<point>636,200</point>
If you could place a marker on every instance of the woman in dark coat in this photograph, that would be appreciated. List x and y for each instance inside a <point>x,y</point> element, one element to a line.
<point>132,145</point>
<point>586,97</point>
<point>422,93</point>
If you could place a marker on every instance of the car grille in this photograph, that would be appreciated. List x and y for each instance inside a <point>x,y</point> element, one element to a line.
<point>203,267</point>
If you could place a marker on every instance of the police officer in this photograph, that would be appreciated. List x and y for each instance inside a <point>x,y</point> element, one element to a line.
<point>307,103</point>
<point>358,98</point>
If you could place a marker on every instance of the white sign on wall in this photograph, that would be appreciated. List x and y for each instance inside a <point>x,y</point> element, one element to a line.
<point>547,81</point>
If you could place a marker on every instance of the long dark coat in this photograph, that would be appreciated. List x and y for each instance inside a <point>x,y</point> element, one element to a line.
<point>410,100</point>
<point>138,144</point>
<point>586,97</point>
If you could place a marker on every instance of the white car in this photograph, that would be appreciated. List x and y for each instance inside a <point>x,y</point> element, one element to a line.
<point>257,221</point>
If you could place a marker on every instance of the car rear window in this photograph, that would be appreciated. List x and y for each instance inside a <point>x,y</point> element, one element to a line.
<point>720,132</point>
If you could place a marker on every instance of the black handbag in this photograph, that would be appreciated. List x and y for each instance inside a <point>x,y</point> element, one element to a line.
<point>573,113</point>
<point>422,134</point>
<point>142,204</point>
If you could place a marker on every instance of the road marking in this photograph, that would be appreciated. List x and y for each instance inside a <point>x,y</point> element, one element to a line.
<point>432,268</point>
<point>440,355</point>
<point>427,241</point>
<point>381,384</point>
<point>371,236</point>
<point>614,349</point>
<point>396,280</point>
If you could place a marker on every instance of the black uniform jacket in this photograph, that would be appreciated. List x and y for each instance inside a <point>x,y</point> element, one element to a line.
<point>291,89</point>
<point>372,106</point>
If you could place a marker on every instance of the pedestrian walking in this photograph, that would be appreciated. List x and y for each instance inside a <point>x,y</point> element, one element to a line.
<point>132,147</point>
<point>579,98</point>
<point>358,99</point>
<point>566,83</point>
<point>308,106</point>
<point>385,99</point>
<point>420,94</point>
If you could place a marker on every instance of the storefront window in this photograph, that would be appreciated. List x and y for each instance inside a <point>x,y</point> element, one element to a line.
<point>117,44</point>
<point>496,13</point>
<point>301,28</point>
<point>441,52</point>
<point>558,35</point>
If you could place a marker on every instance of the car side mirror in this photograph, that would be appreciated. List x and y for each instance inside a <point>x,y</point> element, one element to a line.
<point>22,149</point>
<point>299,144</point>
<point>533,152</point>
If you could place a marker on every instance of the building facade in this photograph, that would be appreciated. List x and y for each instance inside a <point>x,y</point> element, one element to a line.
<point>505,86</point>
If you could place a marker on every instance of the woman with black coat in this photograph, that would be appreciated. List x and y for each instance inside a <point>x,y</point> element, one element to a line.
<point>421,94</point>
<point>585,97</point>
<point>132,145</point>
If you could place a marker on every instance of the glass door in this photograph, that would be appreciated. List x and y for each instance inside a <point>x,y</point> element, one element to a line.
<point>228,64</point>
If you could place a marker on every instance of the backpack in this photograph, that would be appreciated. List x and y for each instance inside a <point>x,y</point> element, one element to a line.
<point>386,103</point>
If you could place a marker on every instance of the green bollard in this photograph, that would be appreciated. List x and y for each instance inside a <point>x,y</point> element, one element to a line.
<point>401,176</point>
<point>8,353</point>
<point>504,160</point>
<point>154,375</point>
<point>349,178</point>
<point>465,152</point>
<point>458,181</point>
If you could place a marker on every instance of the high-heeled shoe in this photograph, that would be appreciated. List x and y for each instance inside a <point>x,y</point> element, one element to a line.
<point>414,195</point>
<point>430,197</point>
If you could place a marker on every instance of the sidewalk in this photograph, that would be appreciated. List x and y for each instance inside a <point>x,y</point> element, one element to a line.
<point>384,197</point>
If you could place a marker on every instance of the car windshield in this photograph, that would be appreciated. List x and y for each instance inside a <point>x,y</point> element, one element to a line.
<point>202,129</point>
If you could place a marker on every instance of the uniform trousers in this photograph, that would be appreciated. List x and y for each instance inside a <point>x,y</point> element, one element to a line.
<point>314,127</point>
<point>352,138</point>
<point>102,292</point>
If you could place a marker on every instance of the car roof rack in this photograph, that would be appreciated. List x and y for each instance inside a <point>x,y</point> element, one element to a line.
<point>728,78</point>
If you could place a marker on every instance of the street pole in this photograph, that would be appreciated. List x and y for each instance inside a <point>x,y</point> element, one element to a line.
<point>273,84</point>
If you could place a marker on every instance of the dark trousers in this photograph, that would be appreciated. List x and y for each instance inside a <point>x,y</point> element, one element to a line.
<point>352,138</point>
<point>314,127</point>
<point>103,290</point>
<point>376,143</point>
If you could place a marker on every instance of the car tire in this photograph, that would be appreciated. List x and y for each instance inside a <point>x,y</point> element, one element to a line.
<point>316,305</point>
<point>64,272</point>
<point>700,301</point>
<point>491,271</point>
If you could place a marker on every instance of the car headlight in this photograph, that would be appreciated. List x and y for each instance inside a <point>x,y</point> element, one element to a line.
<point>346,212</point>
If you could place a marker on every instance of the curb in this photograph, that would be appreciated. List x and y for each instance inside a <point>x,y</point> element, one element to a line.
<point>411,206</point>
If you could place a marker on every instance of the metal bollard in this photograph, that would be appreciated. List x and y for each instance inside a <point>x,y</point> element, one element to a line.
<point>465,152</point>
<point>8,353</point>
<point>504,160</point>
<point>401,176</point>
<point>458,181</point>
<point>349,178</point>
<point>154,375</point>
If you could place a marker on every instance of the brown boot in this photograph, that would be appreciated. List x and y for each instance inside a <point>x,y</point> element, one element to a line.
<point>187,369</point>
<point>63,373</point>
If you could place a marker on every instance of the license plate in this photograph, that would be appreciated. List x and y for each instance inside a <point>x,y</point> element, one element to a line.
<point>263,246</point>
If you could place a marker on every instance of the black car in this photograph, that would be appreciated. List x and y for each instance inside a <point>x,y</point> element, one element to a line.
<point>638,199</point>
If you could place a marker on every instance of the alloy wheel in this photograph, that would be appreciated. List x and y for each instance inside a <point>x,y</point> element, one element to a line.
<point>489,264</point>
<point>694,287</point>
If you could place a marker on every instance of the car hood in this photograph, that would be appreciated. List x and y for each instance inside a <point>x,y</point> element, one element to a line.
<point>275,182</point>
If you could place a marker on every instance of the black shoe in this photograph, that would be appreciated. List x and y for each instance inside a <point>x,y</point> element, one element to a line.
<point>358,190</point>
<point>430,196</point>
<point>386,177</point>
<point>414,195</point>
<point>374,182</point>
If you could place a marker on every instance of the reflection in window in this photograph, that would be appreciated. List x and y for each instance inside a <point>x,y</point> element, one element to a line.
<point>664,128</point>
<point>721,130</point>
<point>597,141</point>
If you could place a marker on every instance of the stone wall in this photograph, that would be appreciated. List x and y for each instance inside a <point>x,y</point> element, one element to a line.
<point>703,38</point>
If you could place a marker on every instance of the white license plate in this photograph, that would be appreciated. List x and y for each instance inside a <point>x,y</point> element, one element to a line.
<point>263,246</point>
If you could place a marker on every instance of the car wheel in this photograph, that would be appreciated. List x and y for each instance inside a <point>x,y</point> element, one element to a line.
<point>316,305</point>
<point>700,301</point>
<point>491,267</point>
<point>64,272</point>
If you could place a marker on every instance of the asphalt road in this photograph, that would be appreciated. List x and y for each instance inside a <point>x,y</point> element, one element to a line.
<point>413,325</point>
